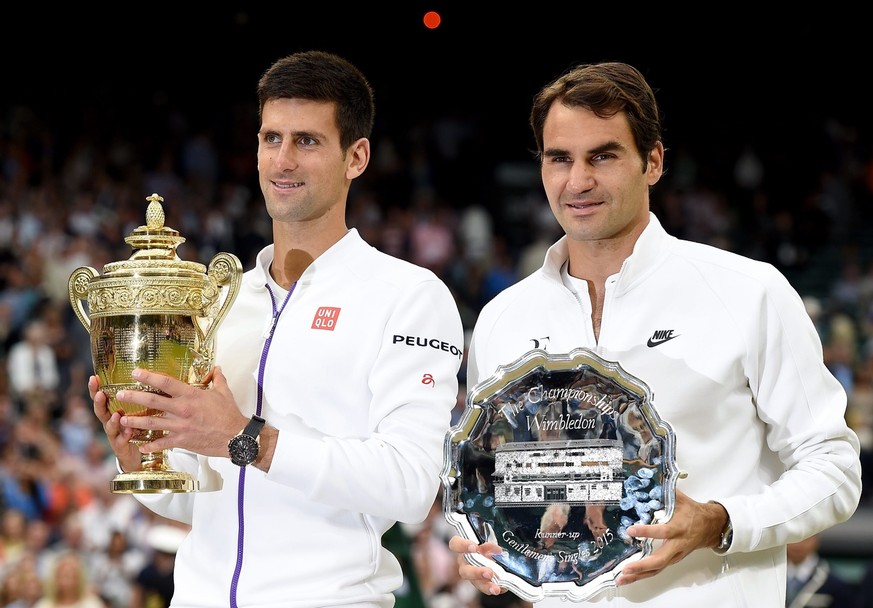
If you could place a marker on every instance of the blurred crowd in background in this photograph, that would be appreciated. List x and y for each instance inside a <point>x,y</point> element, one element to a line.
<point>438,194</point>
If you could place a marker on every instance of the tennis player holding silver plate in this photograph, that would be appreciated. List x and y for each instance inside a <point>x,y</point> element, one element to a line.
<point>554,458</point>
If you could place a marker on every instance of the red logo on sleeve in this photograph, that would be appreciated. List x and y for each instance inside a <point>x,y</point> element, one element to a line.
<point>326,318</point>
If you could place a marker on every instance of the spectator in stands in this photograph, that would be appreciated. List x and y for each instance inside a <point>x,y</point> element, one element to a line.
<point>69,585</point>
<point>21,585</point>
<point>33,367</point>
<point>153,585</point>
<point>811,582</point>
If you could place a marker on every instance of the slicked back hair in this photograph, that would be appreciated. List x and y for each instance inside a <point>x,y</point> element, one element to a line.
<point>606,89</point>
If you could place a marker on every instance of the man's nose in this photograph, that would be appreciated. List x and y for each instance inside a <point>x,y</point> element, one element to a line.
<point>581,178</point>
<point>286,156</point>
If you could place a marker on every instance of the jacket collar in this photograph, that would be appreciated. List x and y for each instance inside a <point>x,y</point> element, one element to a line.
<point>648,250</point>
<point>257,278</point>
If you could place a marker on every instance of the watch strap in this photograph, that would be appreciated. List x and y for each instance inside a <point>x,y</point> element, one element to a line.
<point>253,428</point>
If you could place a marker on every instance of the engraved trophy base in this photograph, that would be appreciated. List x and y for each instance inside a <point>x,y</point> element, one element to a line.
<point>153,482</point>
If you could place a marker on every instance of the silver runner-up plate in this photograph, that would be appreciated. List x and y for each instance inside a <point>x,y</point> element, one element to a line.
<point>554,457</point>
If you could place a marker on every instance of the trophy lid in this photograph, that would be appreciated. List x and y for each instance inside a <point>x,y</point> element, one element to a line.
<point>154,240</point>
<point>154,246</point>
<point>154,281</point>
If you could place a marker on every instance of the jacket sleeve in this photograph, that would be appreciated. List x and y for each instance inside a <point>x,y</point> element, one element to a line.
<point>803,407</point>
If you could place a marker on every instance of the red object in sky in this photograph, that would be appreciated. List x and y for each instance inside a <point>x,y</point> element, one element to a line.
<point>432,20</point>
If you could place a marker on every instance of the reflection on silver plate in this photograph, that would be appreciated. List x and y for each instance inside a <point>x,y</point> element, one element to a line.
<point>554,457</point>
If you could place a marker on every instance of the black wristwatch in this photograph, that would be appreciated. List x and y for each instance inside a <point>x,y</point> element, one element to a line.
<point>245,447</point>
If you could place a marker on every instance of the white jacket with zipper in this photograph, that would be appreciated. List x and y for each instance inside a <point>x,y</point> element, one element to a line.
<point>758,418</point>
<point>360,380</point>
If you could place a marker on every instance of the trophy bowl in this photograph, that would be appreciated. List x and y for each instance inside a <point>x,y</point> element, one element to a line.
<point>157,312</point>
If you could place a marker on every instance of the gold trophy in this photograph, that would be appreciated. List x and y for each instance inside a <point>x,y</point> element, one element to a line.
<point>157,312</point>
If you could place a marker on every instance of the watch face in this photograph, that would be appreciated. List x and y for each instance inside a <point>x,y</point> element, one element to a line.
<point>243,450</point>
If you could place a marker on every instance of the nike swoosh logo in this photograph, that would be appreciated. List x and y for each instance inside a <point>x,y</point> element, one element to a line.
<point>652,343</point>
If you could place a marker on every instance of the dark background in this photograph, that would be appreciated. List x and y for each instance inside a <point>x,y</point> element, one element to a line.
<point>724,73</point>
<point>791,84</point>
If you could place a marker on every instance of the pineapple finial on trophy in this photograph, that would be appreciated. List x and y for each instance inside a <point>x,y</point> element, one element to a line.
<point>155,212</point>
<point>154,240</point>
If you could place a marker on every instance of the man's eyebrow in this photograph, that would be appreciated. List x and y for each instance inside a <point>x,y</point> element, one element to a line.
<point>555,152</point>
<point>294,134</point>
<point>312,134</point>
<point>609,146</point>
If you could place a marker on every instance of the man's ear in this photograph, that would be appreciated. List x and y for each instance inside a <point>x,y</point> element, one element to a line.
<point>655,165</point>
<point>359,158</point>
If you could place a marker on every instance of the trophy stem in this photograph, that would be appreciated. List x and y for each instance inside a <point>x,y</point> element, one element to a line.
<point>156,477</point>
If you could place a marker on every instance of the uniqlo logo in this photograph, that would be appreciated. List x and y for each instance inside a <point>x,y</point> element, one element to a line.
<point>326,318</point>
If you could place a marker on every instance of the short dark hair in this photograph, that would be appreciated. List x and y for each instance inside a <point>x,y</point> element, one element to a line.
<point>322,76</point>
<point>606,89</point>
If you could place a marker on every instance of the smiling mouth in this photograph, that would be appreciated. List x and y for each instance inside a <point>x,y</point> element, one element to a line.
<point>584,205</point>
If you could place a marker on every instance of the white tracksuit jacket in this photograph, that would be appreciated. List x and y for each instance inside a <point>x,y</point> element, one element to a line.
<point>360,380</point>
<point>758,418</point>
